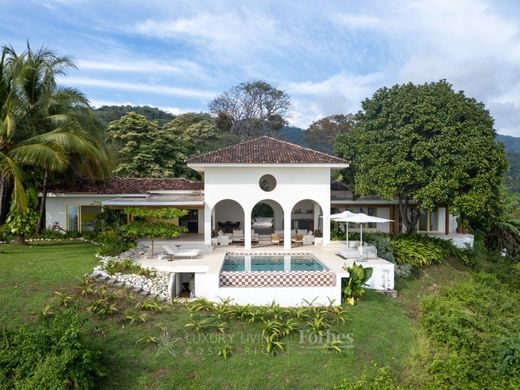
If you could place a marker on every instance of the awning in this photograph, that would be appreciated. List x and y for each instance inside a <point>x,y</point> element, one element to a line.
<point>181,200</point>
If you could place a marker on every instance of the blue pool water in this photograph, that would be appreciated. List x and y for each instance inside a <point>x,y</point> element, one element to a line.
<point>279,263</point>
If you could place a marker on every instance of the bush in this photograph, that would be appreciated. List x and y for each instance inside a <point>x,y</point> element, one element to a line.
<point>56,235</point>
<point>5,234</point>
<point>113,243</point>
<point>508,356</point>
<point>465,322</point>
<point>127,266</point>
<point>416,251</point>
<point>52,354</point>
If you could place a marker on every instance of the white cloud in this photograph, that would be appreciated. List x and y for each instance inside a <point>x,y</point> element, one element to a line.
<point>139,87</point>
<point>133,66</point>
<point>339,94</point>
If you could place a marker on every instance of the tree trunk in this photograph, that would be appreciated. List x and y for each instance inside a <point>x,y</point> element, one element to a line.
<point>41,218</point>
<point>2,192</point>
<point>20,239</point>
<point>409,215</point>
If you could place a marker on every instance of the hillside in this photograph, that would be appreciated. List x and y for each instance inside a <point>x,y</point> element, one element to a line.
<point>511,144</point>
<point>106,114</point>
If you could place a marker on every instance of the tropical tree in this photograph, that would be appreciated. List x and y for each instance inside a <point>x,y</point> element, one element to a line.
<point>252,108</point>
<point>427,146</point>
<point>144,149</point>
<point>322,134</point>
<point>43,126</point>
<point>198,132</point>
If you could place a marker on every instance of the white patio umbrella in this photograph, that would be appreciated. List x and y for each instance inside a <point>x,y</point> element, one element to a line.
<point>341,217</point>
<point>361,218</point>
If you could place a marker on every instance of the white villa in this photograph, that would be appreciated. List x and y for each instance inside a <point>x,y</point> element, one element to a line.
<point>263,197</point>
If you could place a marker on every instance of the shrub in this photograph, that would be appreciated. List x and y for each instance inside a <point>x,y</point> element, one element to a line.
<point>353,284</point>
<point>508,356</point>
<point>465,322</point>
<point>113,243</point>
<point>416,251</point>
<point>51,354</point>
<point>127,266</point>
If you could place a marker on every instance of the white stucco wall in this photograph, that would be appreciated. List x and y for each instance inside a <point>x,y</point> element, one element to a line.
<point>56,207</point>
<point>241,184</point>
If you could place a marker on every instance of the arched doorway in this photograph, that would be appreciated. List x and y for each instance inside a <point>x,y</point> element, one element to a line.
<point>307,220</point>
<point>267,217</point>
<point>228,220</point>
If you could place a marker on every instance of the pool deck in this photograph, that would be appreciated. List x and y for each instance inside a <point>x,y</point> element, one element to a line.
<point>207,270</point>
<point>212,262</point>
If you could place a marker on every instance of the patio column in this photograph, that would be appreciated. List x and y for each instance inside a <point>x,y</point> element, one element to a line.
<point>247,228</point>
<point>287,228</point>
<point>316,217</point>
<point>326,223</point>
<point>207,224</point>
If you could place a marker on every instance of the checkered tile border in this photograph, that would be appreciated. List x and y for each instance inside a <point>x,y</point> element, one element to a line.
<point>277,279</point>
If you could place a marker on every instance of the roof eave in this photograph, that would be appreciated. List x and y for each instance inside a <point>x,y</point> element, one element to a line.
<point>199,167</point>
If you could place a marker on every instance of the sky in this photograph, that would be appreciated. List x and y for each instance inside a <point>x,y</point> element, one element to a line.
<point>327,55</point>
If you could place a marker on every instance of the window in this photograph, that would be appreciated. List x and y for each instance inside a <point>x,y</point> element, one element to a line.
<point>73,218</point>
<point>429,221</point>
<point>267,183</point>
<point>88,217</point>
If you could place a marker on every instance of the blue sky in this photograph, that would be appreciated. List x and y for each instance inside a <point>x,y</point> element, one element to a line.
<point>328,55</point>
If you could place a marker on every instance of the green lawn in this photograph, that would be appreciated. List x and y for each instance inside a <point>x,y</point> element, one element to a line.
<point>382,330</point>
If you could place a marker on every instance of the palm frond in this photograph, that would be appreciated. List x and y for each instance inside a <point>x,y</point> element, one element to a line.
<point>40,155</point>
<point>11,171</point>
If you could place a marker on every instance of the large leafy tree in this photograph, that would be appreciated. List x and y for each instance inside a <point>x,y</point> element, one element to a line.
<point>250,109</point>
<point>198,132</point>
<point>322,134</point>
<point>43,126</point>
<point>144,149</point>
<point>426,145</point>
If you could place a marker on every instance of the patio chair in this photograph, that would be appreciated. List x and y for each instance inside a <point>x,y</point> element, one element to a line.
<point>176,252</point>
<point>298,239</point>
<point>275,239</point>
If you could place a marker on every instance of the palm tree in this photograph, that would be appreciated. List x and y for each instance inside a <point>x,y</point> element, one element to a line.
<point>51,127</point>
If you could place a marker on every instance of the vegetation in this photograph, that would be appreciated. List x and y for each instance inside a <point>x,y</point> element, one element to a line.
<point>251,109</point>
<point>475,341</point>
<point>407,145</point>
<point>43,128</point>
<point>107,114</point>
<point>322,134</point>
<point>53,353</point>
<point>154,223</point>
<point>450,327</point>
<point>127,266</point>
<point>353,284</point>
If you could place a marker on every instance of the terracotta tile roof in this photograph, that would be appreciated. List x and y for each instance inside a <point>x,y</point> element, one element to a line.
<point>118,185</point>
<point>266,150</point>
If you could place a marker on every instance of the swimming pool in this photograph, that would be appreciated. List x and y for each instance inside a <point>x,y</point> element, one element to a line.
<point>271,262</point>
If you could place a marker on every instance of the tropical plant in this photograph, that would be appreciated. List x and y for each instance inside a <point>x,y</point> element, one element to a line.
<point>144,149</point>
<point>225,351</point>
<point>353,284</point>
<point>417,251</point>
<point>42,125</point>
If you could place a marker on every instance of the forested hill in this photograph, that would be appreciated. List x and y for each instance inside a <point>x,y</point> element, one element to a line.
<point>106,114</point>
<point>511,144</point>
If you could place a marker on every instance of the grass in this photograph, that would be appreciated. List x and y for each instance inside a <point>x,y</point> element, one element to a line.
<point>382,329</point>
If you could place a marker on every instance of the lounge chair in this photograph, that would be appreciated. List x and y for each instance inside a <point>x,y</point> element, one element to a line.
<point>298,239</point>
<point>275,239</point>
<point>176,252</point>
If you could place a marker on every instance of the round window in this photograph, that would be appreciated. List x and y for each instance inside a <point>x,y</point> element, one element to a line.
<point>267,183</point>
